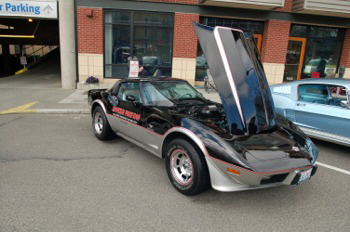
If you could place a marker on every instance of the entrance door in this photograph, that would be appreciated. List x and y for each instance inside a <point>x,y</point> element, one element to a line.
<point>295,58</point>
<point>258,40</point>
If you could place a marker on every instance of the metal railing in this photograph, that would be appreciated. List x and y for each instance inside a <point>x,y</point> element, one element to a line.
<point>36,51</point>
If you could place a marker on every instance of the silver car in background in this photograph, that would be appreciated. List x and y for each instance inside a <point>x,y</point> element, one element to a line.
<point>320,107</point>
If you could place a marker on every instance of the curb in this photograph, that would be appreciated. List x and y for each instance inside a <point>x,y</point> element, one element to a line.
<point>51,111</point>
<point>64,111</point>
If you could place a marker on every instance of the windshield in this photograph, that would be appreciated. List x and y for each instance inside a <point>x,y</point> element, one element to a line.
<point>168,93</point>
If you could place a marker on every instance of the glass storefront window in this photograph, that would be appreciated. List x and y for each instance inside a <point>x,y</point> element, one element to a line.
<point>118,17</point>
<point>298,31</point>
<point>255,27</point>
<point>321,56</point>
<point>142,35</point>
<point>323,32</point>
<point>323,49</point>
<point>153,19</point>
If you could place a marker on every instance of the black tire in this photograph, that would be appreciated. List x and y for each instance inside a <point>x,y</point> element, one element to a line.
<point>194,179</point>
<point>100,125</point>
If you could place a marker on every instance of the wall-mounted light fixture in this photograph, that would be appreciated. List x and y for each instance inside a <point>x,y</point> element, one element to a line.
<point>89,13</point>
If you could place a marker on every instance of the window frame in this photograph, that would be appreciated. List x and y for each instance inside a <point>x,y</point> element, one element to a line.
<point>131,26</point>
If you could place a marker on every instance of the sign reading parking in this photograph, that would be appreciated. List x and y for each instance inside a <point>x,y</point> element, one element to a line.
<point>32,9</point>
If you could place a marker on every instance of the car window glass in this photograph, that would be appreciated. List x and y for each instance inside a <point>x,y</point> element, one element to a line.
<point>168,93</point>
<point>129,88</point>
<point>322,94</point>
<point>338,94</point>
<point>314,94</point>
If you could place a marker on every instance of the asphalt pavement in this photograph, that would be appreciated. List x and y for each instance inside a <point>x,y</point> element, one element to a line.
<point>56,176</point>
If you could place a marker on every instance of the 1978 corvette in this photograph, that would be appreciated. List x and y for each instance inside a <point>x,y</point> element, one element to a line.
<point>237,145</point>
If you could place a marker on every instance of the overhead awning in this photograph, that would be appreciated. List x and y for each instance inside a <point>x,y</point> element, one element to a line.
<point>251,4</point>
<point>337,8</point>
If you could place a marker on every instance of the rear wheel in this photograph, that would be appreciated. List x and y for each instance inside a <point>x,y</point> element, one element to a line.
<point>100,125</point>
<point>186,167</point>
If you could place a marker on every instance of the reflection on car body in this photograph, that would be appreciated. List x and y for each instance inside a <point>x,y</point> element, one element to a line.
<point>320,107</point>
<point>237,145</point>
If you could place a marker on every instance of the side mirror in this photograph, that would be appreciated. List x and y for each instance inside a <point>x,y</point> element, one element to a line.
<point>130,98</point>
<point>345,104</point>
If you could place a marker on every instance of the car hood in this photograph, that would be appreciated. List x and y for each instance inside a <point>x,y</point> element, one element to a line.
<point>281,148</point>
<point>239,77</point>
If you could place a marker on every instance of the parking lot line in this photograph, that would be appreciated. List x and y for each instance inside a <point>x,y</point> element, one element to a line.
<point>333,168</point>
<point>20,109</point>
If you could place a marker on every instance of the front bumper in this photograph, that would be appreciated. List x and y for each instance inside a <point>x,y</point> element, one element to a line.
<point>224,181</point>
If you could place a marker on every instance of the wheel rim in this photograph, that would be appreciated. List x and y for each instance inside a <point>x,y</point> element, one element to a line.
<point>181,167</point>
<point>98,122</point>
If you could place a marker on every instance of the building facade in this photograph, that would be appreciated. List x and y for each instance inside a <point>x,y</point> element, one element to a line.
<point>296,38</point>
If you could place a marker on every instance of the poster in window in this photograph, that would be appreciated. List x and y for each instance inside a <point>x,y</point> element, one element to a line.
<point>134,68</point>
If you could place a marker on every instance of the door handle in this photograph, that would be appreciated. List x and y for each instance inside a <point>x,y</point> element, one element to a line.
<point>301,104</point>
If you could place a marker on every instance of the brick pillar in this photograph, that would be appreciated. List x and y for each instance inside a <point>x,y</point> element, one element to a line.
<point>288,5</point>
<point>90,43</point>
<point>185,47</point>
<point>345,56</point>
<point>274,49</point>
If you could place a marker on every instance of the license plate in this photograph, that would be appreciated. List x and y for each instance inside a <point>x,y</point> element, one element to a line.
<point>304,176</point>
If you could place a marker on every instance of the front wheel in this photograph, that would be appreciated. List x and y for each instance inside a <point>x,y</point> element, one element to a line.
<point>186,167</point>
<point>100,125</point>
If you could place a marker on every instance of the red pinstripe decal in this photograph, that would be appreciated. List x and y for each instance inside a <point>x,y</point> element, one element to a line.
<point>134,124</point>
<point>211,157</point>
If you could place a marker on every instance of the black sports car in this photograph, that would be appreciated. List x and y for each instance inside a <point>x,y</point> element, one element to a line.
<point>237,145</point>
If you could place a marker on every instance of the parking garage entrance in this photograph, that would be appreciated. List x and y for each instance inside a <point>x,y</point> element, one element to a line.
<point>29,46</point>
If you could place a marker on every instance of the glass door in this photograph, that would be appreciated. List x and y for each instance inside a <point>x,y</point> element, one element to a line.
<point>295,59</point>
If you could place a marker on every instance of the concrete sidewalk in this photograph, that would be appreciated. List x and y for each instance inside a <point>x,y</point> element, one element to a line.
<point>53,101</point>
<point>43,101</point>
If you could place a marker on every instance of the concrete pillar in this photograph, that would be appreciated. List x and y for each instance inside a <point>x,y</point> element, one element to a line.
<point>6,64</point>
<point>67,44</point>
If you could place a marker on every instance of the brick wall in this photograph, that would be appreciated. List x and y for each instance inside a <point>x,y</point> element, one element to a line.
<point>288,5</point>
<point>185,39</point>
<point>275,41</point>
<point>345,57</point>
<point>90,31</point>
